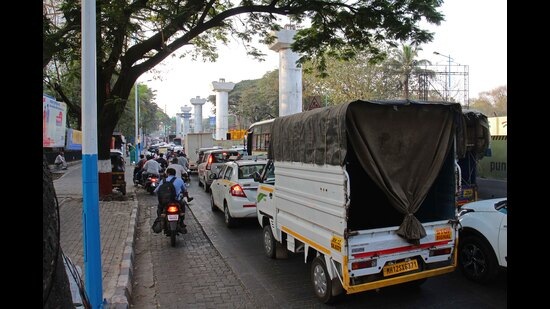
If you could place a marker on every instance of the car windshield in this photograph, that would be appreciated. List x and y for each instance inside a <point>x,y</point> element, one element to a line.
<point>247,171</point>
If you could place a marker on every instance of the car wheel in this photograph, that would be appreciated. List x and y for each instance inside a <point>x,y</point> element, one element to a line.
<point>322,284</point>
<point>229,221</point>
<point>477,260</point>
<point>212,205</point>
<point>269,242</point>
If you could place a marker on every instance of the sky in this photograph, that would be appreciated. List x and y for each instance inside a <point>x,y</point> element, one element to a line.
<point>474,34</point>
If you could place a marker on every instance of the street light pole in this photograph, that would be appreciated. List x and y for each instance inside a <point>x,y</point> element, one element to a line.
<point>136,125</point>
<point>448,73</point>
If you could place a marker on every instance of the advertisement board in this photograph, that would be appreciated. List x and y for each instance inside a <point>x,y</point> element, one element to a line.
<point>54,117</point>
<point>74,139</point>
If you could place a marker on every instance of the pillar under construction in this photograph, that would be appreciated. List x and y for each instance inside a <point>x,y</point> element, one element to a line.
<point>178,125</point>
<point>198,103</point>
<point>222,106</point>
<point>186,115</point>
<point>290,75</point>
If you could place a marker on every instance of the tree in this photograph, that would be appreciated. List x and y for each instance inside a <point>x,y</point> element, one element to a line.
<point>404,63</point>
<point>135,36</point>
<point>257,99</point>
<point>56,291</point>
<point>492,103</point>
<point>364,77</point>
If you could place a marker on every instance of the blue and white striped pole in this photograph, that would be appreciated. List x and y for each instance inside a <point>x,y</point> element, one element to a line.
<point>90,184</point>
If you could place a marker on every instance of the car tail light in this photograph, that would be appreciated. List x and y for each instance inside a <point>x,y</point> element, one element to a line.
<point>209,162</point>
<point>236,190</point>
<point>436,252</point>
<point>363,264</point>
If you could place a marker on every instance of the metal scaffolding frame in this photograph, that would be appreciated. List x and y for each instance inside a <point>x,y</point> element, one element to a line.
<point>431,83</point>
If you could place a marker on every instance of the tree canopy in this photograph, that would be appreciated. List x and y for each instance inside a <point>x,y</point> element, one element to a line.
<point>133,37</point>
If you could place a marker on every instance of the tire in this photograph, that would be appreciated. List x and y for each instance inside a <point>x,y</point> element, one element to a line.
<point>173,238</point>
<point>212,205</point>
<point>269,242</point>
<point>322,285</point>
<point>200,182</point>
<point>123,190</point>
<point>206,187</point>
<point>477,260</point>
<point>229,221</point>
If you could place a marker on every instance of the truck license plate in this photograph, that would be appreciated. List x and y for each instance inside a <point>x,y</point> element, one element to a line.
<point>173,217</point>
<point>400,268</point>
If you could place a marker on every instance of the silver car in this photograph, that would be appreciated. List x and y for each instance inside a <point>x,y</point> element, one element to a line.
<point>211,162</point>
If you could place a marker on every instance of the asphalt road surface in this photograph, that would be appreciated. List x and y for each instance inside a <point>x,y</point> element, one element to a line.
<point>216,267</point>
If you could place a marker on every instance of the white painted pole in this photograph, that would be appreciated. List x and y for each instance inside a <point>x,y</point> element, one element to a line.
<point>90,184</point>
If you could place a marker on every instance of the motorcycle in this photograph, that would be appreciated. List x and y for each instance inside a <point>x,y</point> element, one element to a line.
<point>186,178</point>
<point>151,183</point>
<point>172,221</point>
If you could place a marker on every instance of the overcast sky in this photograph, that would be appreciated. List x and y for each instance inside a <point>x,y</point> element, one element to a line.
<point>474,34</point>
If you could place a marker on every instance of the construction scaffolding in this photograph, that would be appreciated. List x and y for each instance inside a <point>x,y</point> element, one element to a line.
<point>442,82</point>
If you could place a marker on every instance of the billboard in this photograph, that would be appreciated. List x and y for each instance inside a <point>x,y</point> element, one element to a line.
<point>54,117</point>
<point>74,139</point>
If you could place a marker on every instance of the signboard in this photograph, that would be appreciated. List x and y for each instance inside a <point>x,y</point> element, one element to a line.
<point>54,117</point>
<point>74,139</point>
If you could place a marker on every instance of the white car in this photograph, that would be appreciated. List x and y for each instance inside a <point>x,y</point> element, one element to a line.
<point>483,239</point>
<point>234,189</point>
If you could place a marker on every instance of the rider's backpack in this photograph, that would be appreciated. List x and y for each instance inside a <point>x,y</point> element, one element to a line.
<point>167,192</point>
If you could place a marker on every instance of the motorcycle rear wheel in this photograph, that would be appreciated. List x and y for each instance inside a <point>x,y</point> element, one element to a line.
<point>173,238</point>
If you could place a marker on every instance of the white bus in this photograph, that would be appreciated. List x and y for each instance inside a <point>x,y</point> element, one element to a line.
<point>259,137</point>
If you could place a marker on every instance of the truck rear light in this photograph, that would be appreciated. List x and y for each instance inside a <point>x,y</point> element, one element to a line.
<point>363,264</point>
<point>236,190</point>
<point>436,252</point>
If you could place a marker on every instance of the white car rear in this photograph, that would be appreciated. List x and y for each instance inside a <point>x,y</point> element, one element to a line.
<point>233,189</point>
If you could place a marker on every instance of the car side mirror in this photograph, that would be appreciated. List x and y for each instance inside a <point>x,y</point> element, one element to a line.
<point>213,176</point>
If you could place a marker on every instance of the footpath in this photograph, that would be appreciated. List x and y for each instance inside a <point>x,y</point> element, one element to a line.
<point>118,218</point>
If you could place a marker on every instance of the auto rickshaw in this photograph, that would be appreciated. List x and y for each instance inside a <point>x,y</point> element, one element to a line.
<point>117,170</point>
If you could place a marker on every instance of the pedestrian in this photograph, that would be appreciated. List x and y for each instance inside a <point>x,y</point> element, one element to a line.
<point>60,161</point>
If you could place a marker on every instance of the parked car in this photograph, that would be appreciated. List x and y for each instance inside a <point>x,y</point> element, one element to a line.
<point>483,239</point>
<point>234,189</point>
<point>211,162</point>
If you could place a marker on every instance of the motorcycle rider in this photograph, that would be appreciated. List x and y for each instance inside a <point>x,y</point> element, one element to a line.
<point>162,161</point>
<point>138,169</point>
<point>151,167</point>
<point>180,187</point>
<point>180,171</point>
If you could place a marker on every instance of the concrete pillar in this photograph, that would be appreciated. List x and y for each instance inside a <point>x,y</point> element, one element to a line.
<point>222,107</point>
<point>290,75</point>
<point>186,115</point>
<point>178,124</point>
<point>198,103</point>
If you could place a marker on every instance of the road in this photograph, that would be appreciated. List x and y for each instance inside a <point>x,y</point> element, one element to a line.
<point>226,268</point>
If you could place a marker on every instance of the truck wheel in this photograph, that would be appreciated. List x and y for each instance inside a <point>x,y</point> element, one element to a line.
<point>269,242</point>
<point>477,260</point>
<point>320,278</point>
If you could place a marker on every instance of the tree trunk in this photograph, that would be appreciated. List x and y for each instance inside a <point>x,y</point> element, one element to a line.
<point>56,290</point>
